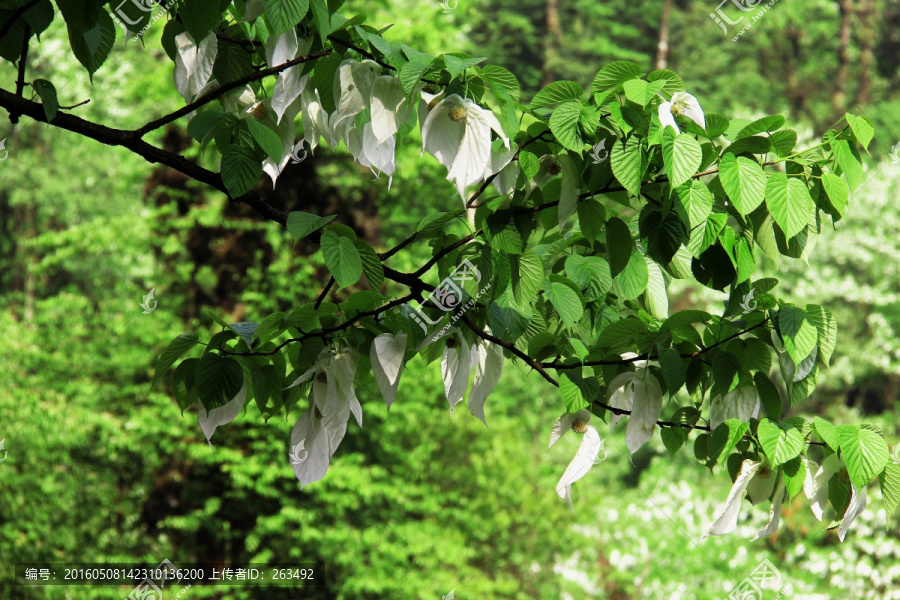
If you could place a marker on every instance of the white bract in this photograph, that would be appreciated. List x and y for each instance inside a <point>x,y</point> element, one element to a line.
<point>816,489</point>
<point>590,447</point>
<point>331,400</point>
<point>386,356</point>
<point>741,403</point>
<point>457,362</point>
<point>193,64</point>
<point>290,84</point>
<point>457,132</point>
<point>682,104</point>
<point>638,392</point>
<point>221,415</point>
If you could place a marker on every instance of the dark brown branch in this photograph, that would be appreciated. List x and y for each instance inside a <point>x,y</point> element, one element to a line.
<point>444,252</point>
<point>224,89</point>
<point>324,293</point>
<point>82,103</point>
<point>508,346</point>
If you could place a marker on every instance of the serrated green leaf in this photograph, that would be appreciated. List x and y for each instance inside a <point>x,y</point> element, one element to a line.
<point>615,74</point>
<point>240,170</point>
<point>527,281</point>
<point>781,442</point>
<point>591,274</point>
<point>342,258</point>
<point>566,302</point>
<point>673,438</point>
<point>642,92</point>
<point>301,224</point>
<point>634,278</point>
<point>674,369</point>
<point>681,155</point>
<point>693,202</point>
<point>865,453</point>
<point>763,125</point>
<point>789,203</point>
<point>826,328</point>
<point>47,92</point>
<point>321,18</point>
<point>725,438</point>
<point>798,331</point>
<point>627,161</point>
<point>862,129</point>
<point>218,379</point>
<point>173,352</point>
<point>838,194</point>
<point>564,123</point>
<point>848,163</point>
<point>371,265</point>
<point>411,73</point>
<point>828,433</point>
<point>744,181</point>
<point>783,142</point>
<point>890,487</point>
<point>267,139</point>
<point>284,14</point>
<point>555,92</point>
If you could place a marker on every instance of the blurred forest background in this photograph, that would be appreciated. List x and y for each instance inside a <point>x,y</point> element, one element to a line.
<point>102,468</point>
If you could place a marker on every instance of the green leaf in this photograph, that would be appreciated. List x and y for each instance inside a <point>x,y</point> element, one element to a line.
<point>634,278</point>
<point>577,392</point>
<point>527,281</point>
<point>662,234</point>
<point>183,387</point>
<point>674,369</point>
<point>725,438</point>
<point>240,170</point>
<point>865,453</point>
<point>673,438</point>
<point>848,163</point>
<point>591,274</point>
<point>218,379</point>
<point>716,125</point>
<point>232,59</point>
<point>91,46</point>
<point>826,328</point>
<point>828,433</point>
<point>693,202</point>
<point>655,298</point>
<point>47,93</point>
<point>780,441</point>
<point>681,154</point>
<point>267,139</point>
<point>744,181</point>
<point>794,474</point>
<point>371,264</point>
<point>619,245</point>
<point>768,396</point>
<point>558,91</point>
<point>301,224</point>
<point>799,333</point>
<point>530,163</point>
<point>502,78</point>
<point>566,302</point>
<point>890,487</point>
<point>591,218</point>
<point>642,92</point>
<point>411,73</point>
<point>838,194</point>
<point>615,74</point>
<point>564,125</point>
<point>783,142</point>
<point>789,203</point>
<point>703,237</point>
<point>342,258</point>
<point>763,125</point>
<point>245,329</point>
<point>173,352</point>
<point>284,15</point>
<point>627,162</point>
<point>321,18</point>
<point>862,129</point>
<point>200,16</point>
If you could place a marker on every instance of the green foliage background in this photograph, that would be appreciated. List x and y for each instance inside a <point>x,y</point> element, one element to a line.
<point>103,469</point>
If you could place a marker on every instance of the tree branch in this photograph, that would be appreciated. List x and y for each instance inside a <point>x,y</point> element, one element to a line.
<point>224,89</point>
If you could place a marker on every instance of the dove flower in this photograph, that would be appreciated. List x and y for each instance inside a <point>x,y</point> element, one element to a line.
<point>816,489</point>
<point>585,458</point>
<point>682,104</point>
<point>457,132</point>
<point>331,400</point>
<point>458,360</point>
<point>639,393</point>
<point>264,112</point>
<point>193,64</point>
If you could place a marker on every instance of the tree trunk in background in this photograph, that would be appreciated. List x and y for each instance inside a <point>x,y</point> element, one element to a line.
<point>866,37</point>
<point>662,49</point>
<point>554,41</point>
<point>839,102</point>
